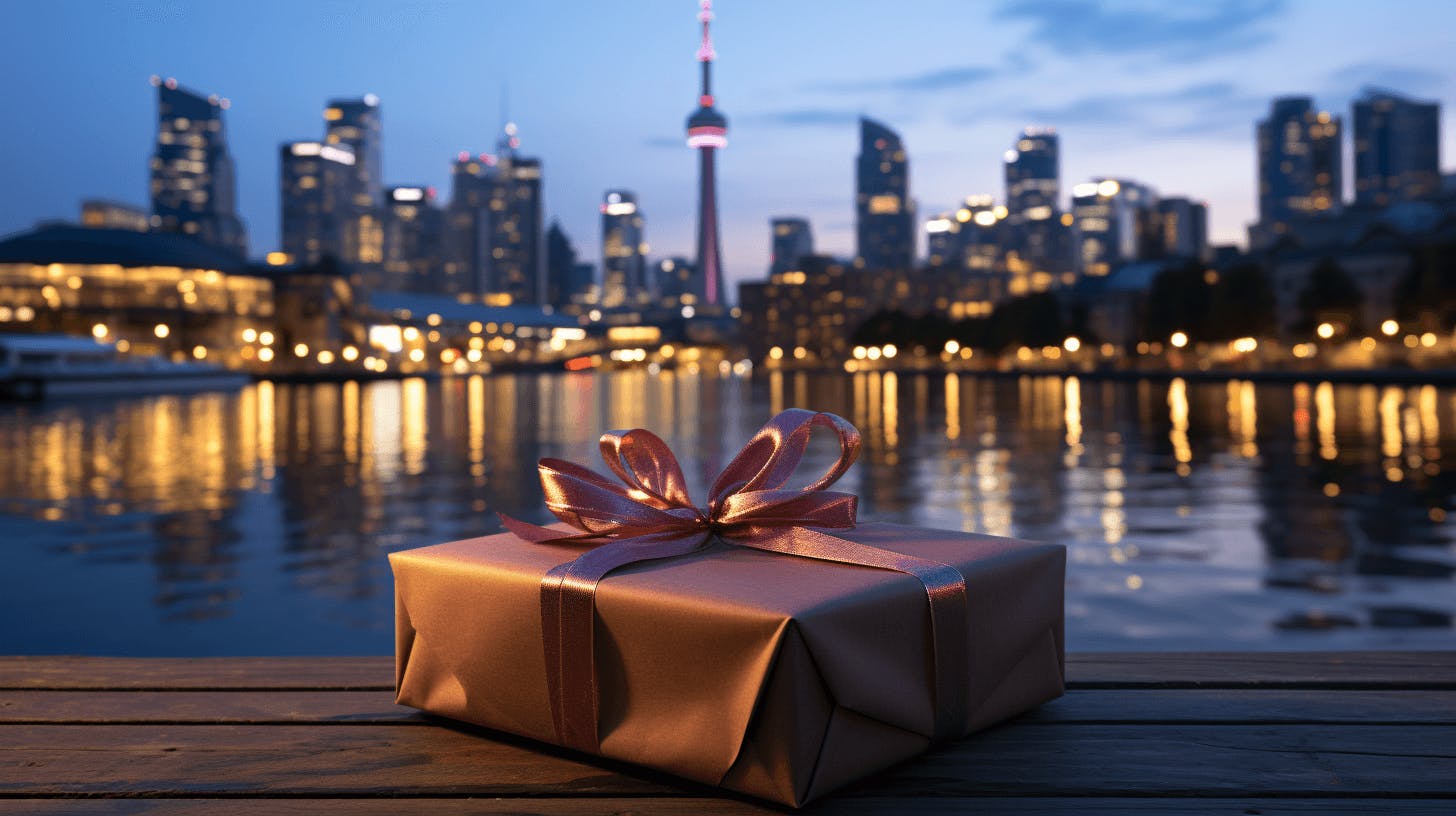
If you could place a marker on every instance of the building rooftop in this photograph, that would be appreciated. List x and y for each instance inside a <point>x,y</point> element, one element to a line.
<point>451,310</point>
<point>68,243</point>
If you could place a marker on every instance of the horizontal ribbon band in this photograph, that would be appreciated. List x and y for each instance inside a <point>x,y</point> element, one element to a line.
<point>649,515</point>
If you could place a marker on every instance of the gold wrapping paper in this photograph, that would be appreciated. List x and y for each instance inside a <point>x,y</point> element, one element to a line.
<point>773,675</point>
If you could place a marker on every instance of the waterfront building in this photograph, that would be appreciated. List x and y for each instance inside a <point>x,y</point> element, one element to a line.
<point>1300,161</point>
<point>356,124</point>
<point>793,238</point>
<point>707,134</point>
<point>1034,229</point>
<point>1397,149</point>
<point>494,226</point>
<point>967,249</point>
<point>114,215</point>
<point>414,230</point>
<point>624,252</point>
<point>467,226</point>
<point>193,180</point>
<point>1182,228</point>
<point>678,284</point>
<point>147,292</point>
<point>884,213</point>
<point>514,269</point>
<point>313,190</point>
<point>1115,223</point>
<point>569,283</point>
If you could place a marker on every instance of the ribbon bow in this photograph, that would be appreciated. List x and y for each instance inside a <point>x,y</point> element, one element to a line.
<point>650,516</point>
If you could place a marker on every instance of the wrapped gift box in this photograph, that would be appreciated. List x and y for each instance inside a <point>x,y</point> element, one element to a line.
<point>779,676</point>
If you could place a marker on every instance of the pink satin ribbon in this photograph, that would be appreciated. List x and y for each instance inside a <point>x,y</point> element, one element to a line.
<point>650,516</point>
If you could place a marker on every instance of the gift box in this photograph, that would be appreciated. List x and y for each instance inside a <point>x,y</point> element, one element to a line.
<point>768,643</point>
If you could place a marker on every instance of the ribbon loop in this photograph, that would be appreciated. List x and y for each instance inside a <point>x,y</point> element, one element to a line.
<point>649,516</point>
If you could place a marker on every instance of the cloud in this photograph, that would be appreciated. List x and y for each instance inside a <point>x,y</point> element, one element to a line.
<point>663,142</point>
<point>938,80</point>
<point>1130,108</point>
<point>1388,76</point>
<point>1183,32</point>
<point>1201,109</point>
<point>803,117</point>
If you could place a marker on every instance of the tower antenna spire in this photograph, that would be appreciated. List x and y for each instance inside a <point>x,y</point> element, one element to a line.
<point>706,54</point>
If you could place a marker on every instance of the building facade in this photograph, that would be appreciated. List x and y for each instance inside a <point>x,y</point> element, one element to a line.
<point>569,282</point>
<point>1397,149</point>
<point>1114,220</point>
<point>1300,161</point>
<point>884,213</point>
<point>1182,227</point>
<point>193,179</point>
<point>313,186</point>
<point>357,125</point>
<point>514,265</point>
<point>1033,192</point>
<point>624,252</point>
<point>114,215</point>
<point>793,238</point>
<point>414,234</point>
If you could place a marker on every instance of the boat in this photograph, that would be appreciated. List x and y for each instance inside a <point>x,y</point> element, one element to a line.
<point>48,366</point>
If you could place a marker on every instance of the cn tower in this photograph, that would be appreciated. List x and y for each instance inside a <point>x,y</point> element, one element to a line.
<point>707,132</point>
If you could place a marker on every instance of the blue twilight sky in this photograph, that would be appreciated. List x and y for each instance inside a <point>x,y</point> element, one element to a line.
<point>1166,93</point>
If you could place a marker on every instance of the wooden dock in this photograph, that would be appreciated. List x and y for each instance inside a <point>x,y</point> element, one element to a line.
<point>1265,734</point>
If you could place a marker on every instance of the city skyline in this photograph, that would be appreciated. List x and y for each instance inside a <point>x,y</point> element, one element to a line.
<point>784,163</point>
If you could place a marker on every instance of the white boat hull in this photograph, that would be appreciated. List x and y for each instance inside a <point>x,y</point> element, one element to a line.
<point>120,385</point>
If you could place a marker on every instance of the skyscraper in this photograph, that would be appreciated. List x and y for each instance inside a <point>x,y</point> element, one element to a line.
<point>495,225</point>
<point>313,183</point>
<point>413,236</point>
<point>355,123</point>
<point>1397,148</point>
<point>708,133</point>
<point>193,182</point>
<point>467,225</point>
<point>793,238</point>
<point>884,214</point>
<point>1299,162</point>
<point>1033,186</point>
<point>568,282</point>
<point>1112,219</point>
<point>624,253</point>
<point>678,284</point>
<point>514,268</point>
<point>1182,227</point>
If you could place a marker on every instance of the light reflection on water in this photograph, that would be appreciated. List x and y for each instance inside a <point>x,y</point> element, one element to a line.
<point>1198,515</point>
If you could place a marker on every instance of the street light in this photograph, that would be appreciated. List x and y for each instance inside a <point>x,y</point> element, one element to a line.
<point>1178,340</point>
<point>1072,344</point>
<point>1390,328</point>
<point>1325,331</point>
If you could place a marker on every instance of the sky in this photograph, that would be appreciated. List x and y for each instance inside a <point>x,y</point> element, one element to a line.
<point>1163,93</point>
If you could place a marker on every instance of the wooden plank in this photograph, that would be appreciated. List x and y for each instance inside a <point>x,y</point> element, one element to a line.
<point>101,673</point>
<point>256,707</point>
<point>1351,670</point>
<point>1246,706</point>
<point>1323,670</point>
<point>1095,706</point>
<point>300,760</point>
<point>687,806</point>
<point>1042,760</point>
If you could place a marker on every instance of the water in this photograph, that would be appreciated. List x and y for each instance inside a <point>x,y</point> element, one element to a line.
<point>1197,516</point>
